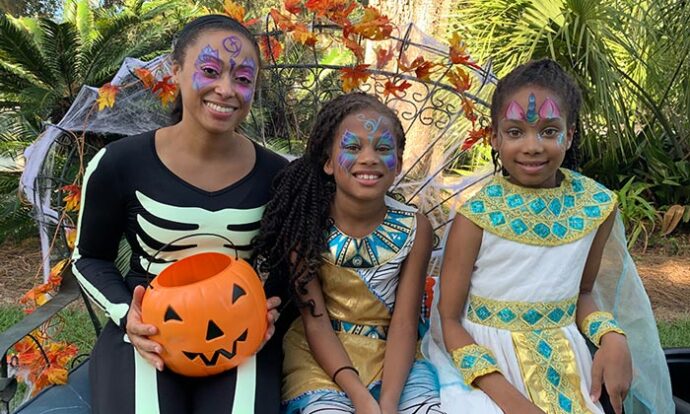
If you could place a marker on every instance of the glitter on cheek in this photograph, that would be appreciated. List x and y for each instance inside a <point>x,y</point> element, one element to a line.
<point>560,139</point>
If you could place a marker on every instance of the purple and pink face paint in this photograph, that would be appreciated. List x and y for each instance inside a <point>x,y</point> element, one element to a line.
<point>384,144</point>
<point>548,111</point>
<point>209,66</point>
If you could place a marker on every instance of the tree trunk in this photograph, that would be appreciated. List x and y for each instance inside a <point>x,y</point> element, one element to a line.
<point>429,17</point>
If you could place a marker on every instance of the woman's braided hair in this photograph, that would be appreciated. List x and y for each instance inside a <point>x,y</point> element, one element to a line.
<point>292,238</point>
<point>547,74</point>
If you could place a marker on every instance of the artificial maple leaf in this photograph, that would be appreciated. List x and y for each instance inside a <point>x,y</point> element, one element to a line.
<point>283,22</point>
<point>355,48</point>
<point>460,79</point>
<point>383,56</point>
<point>237,12</point>
<point>72,197</point>
<point>421,67</point>
<point>106,96</point>
<point>475,136</point>
<point>70,237</point>
<point>146,77</point>
<point>303,35</point>
<point>373,25</point>
<point>353,77</point>
<point>468,109</point>
<point>458,52</point>
<point>166,90</point>
<point>391,88</point>
<point>424,70</point>
<point>335,10</point>
<point>293,6</point>
<point>270,47</point>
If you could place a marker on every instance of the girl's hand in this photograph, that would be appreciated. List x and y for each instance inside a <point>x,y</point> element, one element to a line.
<point>525,406</point>
<point>366,405</point>
<point>272,304</point>
<point>612,366</point>
<point>138,332</point>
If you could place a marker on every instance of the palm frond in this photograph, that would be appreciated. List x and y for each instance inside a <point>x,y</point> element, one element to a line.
<point>61,44</point>
<point>18,47</point>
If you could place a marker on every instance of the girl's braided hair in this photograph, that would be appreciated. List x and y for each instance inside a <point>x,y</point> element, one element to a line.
<point>547,74</point>
<point>292,238</point>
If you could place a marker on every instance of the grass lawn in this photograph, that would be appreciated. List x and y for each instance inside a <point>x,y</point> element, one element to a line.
<point>79,330</point>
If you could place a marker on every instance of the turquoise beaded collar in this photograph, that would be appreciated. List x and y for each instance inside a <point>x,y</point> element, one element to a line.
<point>541,216</point>
<point>382,245</point>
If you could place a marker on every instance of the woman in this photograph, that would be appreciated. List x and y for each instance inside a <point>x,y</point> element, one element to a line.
<point>196,178</point>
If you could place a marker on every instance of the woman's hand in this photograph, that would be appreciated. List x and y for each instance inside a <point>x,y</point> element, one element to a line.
<point>138,332</point>
<point>272,304</point>
<point>612,366</point>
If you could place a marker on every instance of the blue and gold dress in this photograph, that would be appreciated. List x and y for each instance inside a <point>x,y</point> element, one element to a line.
<point>359,280</point>
<point>524,290</point>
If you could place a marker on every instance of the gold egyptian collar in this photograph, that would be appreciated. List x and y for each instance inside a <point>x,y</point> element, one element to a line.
<point>541,216</point>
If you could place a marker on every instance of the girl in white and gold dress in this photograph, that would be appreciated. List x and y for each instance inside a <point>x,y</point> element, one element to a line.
<point>516,298</point>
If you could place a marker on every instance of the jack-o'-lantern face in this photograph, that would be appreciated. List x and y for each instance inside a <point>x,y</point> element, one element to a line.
<point>210,311</point>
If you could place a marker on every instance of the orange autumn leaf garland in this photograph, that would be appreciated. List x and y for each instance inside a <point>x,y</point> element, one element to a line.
<point>106,96</point>
<point>353,77</point>
<point>166,90</point>
<point>146,77</point>
<point>395,89</point>
<point>237,12</point>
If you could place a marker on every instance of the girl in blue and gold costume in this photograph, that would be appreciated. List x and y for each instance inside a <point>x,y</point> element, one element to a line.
<point>355,261</point>
<point>529,273</point>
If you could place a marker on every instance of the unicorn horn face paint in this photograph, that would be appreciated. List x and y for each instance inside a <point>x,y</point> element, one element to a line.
<point>532,136</point>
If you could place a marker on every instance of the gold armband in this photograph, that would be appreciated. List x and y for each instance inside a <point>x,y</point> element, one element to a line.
<point>474,361</point>
<point>596,324</point>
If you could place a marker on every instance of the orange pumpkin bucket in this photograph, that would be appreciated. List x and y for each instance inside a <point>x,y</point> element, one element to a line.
<point>210,311</point>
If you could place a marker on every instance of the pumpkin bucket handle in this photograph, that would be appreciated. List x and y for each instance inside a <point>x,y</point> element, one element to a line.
<point>187,236</point>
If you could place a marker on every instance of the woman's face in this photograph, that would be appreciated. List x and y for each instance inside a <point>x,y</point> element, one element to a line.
<point>217,80</point>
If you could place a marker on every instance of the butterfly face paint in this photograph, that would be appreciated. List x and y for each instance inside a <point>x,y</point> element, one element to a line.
<point>244,79</point>
<point>207,67</point>
<point>349,147</point>
<point>384,145</point>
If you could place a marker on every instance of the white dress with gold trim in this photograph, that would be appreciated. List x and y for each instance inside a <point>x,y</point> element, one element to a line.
<point>523,293</point>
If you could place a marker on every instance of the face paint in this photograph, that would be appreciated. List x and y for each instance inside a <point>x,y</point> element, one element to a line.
<point>532,117</point>
<point>386,140</point>
<point>386,147</point>
<point>549,110</point>
<point>207,67</point>
<point>244,79</point>
<point>515,112</point>
<point>348,154</point>
<point>560,139</point>
<point>369,124</point>
<point>233,45</point>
